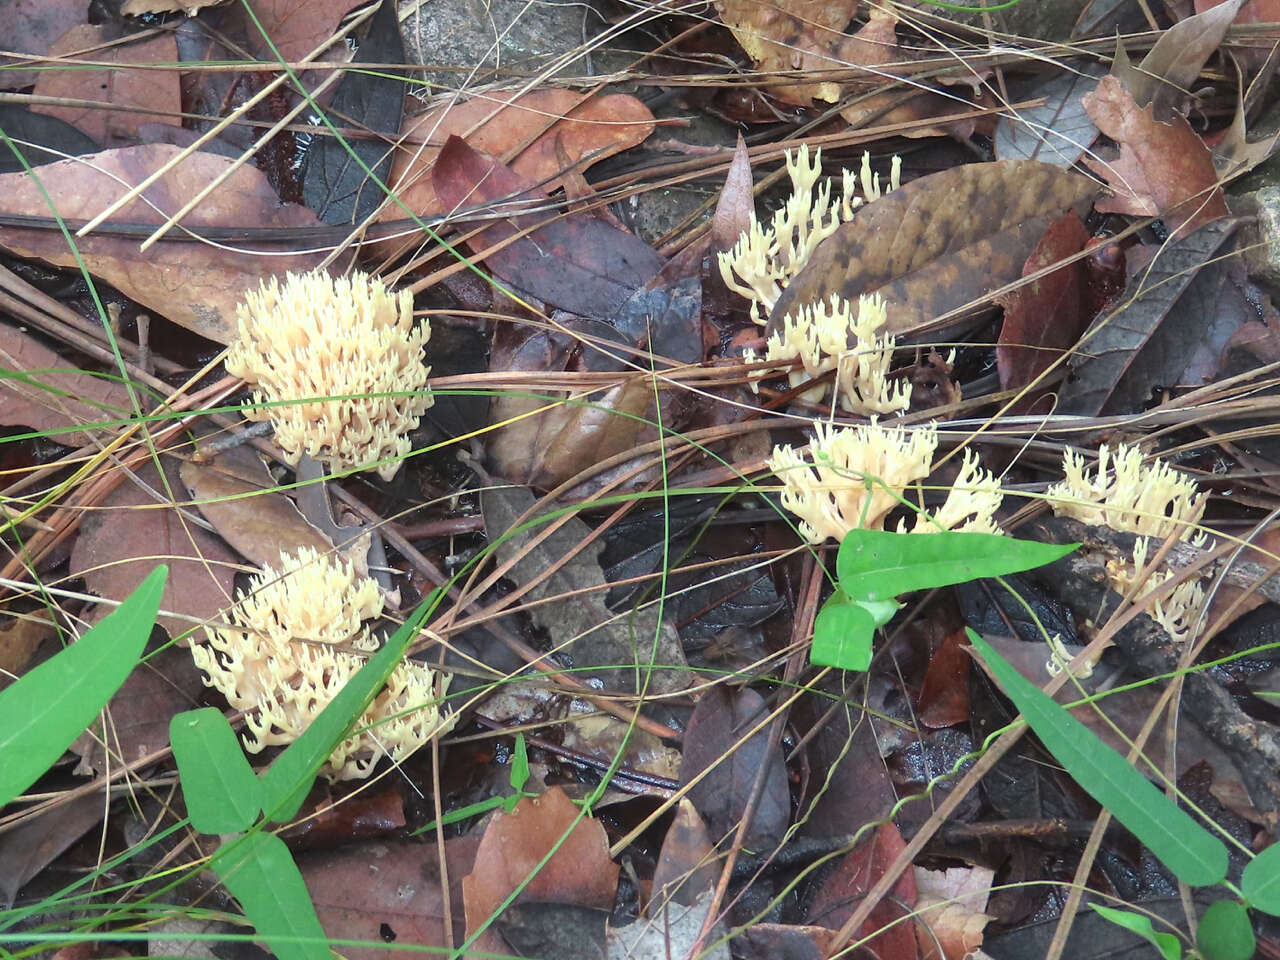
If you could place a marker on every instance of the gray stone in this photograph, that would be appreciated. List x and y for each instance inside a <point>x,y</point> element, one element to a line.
<point>1262,251</point>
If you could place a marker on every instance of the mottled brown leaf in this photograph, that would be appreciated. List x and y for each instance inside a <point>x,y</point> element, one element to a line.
<point>577,262</point>
<point>120,544</point>
<point>581,128</point>
<point>196,285</point>
<point>40,390</point>
<point>844,889</point>
<point>940,242</point>
<point>257,521</point>
<point>579,872</point>
<point>153,94</point>
<point>388,891</point>
<point>721,718</point>
<point>1042,319</point>
<point>1163,169</point>
<point>1153,333</point>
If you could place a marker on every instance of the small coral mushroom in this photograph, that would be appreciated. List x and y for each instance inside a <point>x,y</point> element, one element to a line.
<point>856,477</point>
<point>820,337</point>
<point>348,339</point>
<point>765,259</point>
<point>276,661</point>
<point>1150,499</point>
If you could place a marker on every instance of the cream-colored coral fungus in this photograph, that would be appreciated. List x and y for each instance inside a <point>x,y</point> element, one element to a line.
<point>348,340</point>
<point>855,476</point>
<point>1148,498</point>
<point>830,336</point>
<point>765,259</point>
<point>277,661</point>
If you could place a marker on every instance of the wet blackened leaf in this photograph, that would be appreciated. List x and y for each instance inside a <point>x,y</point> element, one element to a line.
<point>939,242</point>
<point>1149,339</point>
<point>577,262</point>
<point>1044,318</point>
<point>59,136</point>
<point>721,718</point>
<point>336,185</point>
<point>1059,130</point>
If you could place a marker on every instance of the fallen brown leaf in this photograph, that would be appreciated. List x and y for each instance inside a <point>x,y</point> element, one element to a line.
<point>194,284</point>
<point>1163,169</point>
<point>30,27</point>
<point>686,868</point>
<point>514,844</point>
<point>38,389</point>
<point>20,637</point>
<point>940,242</point>
<point>950,904</point>
<point>129,97</point>
<point>121,542</point>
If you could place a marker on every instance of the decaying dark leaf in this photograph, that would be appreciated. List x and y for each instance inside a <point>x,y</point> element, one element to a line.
<point>1044,318</point>
<point>565,931</point>
<point>843,890</point>
<point>31,26</point>
<point>940,242</point>
<point>40,391</point>
<point>130,97</point>
<point>582,625</point>
<point>136,528</point>
<point>196,285</point>
<point>233,493</point>
<point>1148,340</point>
<point>722,718</point>
<point>554,124</point>
<point>30,131</point>
<point>1059,130</point>
<point>577,262</point>
<point>1163,169</point>
<point>137,718</point>
<point>37,841</point>
<point>337,184</point>
<point>579,872</point>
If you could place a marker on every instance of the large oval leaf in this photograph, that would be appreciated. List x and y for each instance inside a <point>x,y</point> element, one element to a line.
<point>1261,881</point>
<point>1192,853</point>
<point>223,793</point>
<point>51,705</point>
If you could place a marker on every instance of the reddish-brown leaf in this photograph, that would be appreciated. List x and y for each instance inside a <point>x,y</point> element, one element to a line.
<point>560,123</point>
<point>844,889</point>
<point>387,891</point>
<point>20,638</point>
<point>1163,169</point>
<point>577,262</point>
<point>941,242</point>
<point>136,528</point>
<point>48,394</point>
<point>360,816</point>
<point>944,695</point>
<point>579,872</point>
<point>130,97</point>
<point>1042,319</point>
<point>197,285</point>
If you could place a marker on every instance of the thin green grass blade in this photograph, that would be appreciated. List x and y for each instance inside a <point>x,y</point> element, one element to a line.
<point>1192,853</point>
<point>1170,947</point>
<point>880,565</point>
<point>44,711</point>
<point>286,782</point>
<point>259,871</point>
<point>1261,881</point>
<point>223,793</point>
<point>1225,932</point>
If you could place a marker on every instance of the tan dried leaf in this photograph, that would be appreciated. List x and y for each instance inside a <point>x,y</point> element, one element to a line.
<point>950,904</point>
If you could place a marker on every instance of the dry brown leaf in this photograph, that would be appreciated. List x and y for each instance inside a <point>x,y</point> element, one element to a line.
<point>1163,169</point>
<point>20,637</point>
<point>257,521</point>
<point>940,242</point>
<point>563,126</point>
<point>140,8</point>
<point>950,904</point>
<point>803,35</point>
<point>48,395</point>
<point>153,94</point>
<point>579,872</point>
<point>686,866</point>
<point>121,543</point>
<point>197,285</point>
